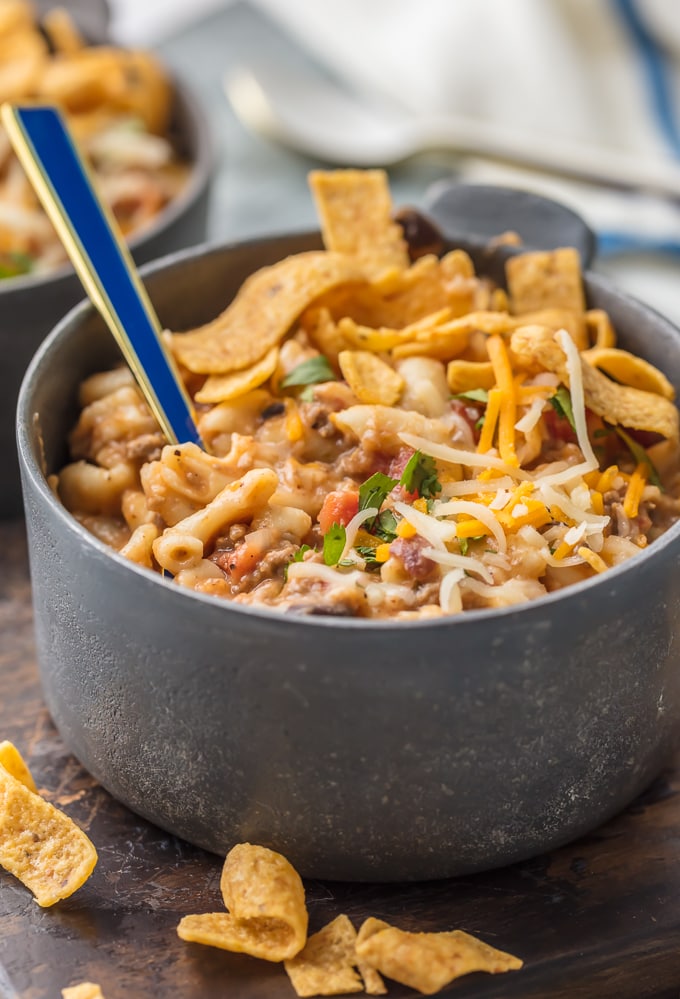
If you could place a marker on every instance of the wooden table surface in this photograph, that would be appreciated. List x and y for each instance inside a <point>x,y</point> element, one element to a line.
<point>598,918</point>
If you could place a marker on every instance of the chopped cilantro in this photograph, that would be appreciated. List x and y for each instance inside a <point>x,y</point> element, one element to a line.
<point>385,526</point>
<point>297,557</point>
<point>307,394</point>
<point>480,422</point>
<point>464,543</point>
<point>334,544</point>
<point>561,403</point>
<point>368,555</point>
<point>474,395</point>
<point>374,490</point>
<point>640,455</point>
<point>310,372</point>
<point>420,475</point>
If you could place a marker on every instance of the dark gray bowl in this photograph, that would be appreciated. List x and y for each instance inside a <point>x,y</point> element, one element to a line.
<point>30,306</point>
<point>361,750</point>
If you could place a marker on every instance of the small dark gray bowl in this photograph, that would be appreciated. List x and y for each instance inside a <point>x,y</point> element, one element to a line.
<point>361,750</point>
<point>30,306</point>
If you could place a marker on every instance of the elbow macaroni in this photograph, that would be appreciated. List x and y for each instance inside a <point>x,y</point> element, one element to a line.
<point>417,443</point>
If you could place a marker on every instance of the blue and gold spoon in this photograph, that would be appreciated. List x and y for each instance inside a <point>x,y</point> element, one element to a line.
<point>91,238</point>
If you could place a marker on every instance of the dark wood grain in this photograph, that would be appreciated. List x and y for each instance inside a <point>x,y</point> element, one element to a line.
<point>599,918</point>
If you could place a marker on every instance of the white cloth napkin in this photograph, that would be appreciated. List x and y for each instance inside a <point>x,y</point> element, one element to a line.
<point>148,22</point>
<point>603,72</point>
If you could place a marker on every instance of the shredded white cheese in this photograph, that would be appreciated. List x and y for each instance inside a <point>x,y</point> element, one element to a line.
<point>477,510</point>
<point>500,500</point>
<point>569,474</point>
<point>498,560</point>
<point>580,496</point>
<point>450,597</point>
<point>533,414</point>
<point>578,403</point>
<point>513,591</point>
<point>328,573</point>
<point>575,534</point>
<point>353,526</point>
<point>563,563</point>
<point>467,563</point>
<point>458,456</point>
<point>468,487</point>
<point>436,532</point>
<point>553,497</point>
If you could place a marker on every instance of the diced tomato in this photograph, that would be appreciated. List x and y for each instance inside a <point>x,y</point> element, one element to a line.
<point>559,428</point>
<point>240,561</point>
<point>338,508</point>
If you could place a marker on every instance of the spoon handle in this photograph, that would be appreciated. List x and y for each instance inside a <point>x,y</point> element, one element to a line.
<point>103,263</point>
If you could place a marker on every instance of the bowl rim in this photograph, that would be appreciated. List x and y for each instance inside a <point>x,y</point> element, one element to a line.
<point>201,169</point>
<point>470,618</point>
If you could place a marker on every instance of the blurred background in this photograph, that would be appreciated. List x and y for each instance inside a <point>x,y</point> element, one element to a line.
<point>578,74</point>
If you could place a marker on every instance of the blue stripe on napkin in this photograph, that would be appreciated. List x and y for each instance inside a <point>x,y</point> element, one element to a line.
<point>656,70</point>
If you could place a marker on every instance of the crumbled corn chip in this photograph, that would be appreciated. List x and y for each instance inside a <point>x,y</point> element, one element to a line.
<point>326,964</point>
<point>428,961</point>
<point>463,376</point>
<point>627,369</point>
<point>14,763</point>
<point>40,845</point>
<point>372,380</point>
<point>355,211</point>
<point>599,328</point>
<point>85,990</point>
<point>545,279</point>
<point>221,388</point>
<point>267,915</point>
<point>264,309</point>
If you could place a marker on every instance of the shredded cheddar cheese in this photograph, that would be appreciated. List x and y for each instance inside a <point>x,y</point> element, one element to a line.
<point>606,479</point>
<point>562,550</point>
<point>595,561</point>
<point>471,528</point>
<point>636,485</point>
<point>597,502</point>
<point>508,404</point>
<point>294,428</point>
<point>493,408</point>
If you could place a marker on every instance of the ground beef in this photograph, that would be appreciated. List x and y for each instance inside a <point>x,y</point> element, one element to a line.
<point>664,513</point>
<point>632,528</point>
<point>146,447</point>
<point>360,463</point>
<point>270,565</point>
